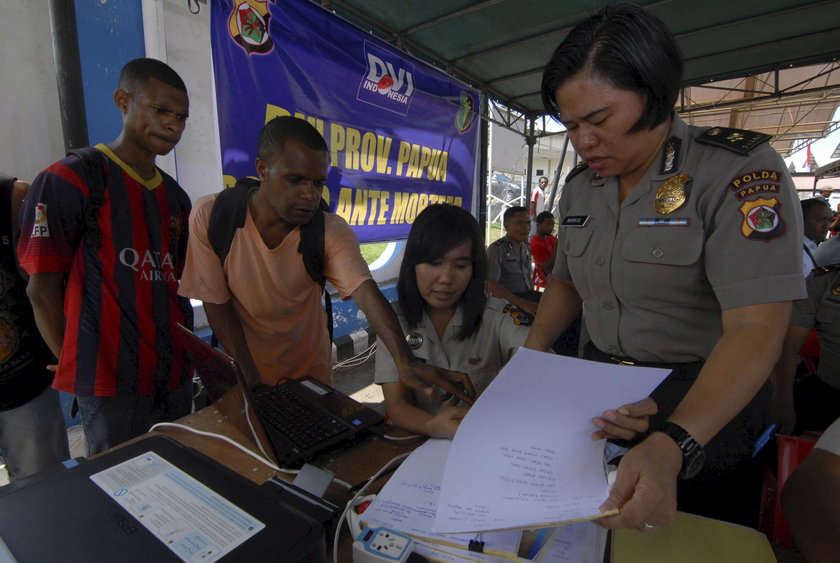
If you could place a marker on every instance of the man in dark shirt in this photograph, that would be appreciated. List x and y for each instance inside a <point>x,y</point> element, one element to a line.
<point>33,436</point>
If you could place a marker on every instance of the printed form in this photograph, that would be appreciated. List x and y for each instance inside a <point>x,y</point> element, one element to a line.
<point>193,521</point>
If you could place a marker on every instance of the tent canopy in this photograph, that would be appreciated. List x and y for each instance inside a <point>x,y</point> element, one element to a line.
<point>771,66</point>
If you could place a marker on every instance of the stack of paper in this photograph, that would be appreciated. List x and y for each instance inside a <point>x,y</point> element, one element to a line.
<point>522,457</point>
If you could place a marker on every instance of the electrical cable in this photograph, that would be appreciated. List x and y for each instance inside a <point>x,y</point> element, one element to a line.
<point>401,438</point>
<point>357,360</point>
<point>352,501</point>
<point>226,439</point>
<point>263,460</point>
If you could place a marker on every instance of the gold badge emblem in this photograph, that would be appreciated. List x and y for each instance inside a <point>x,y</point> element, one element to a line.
<point>735,137</point>
<point>414,340</point>
<point>715,131</point>
<point>671,194</point>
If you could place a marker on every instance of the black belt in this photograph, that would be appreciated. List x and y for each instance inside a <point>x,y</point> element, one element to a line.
<point>591,352</point>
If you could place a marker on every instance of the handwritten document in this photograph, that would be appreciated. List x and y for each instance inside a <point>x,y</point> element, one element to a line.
<point>523,457</point>
<point>580,542</point>
<point>408,502</point>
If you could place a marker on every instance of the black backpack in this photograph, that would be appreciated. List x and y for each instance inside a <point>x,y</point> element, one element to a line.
<point>228,214</point>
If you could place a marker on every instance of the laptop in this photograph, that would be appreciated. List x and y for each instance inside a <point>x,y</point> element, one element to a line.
<point>297,419</point>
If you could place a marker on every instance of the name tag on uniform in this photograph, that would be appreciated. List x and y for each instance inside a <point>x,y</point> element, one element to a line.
<point>574,221</point>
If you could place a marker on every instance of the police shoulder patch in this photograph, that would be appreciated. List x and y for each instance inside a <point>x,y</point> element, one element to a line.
<point>575,171</point>
<point>740,141</point>
<point>520,317</point>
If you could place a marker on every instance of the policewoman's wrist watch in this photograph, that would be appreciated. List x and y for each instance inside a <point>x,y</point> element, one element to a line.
<point>693,453</point>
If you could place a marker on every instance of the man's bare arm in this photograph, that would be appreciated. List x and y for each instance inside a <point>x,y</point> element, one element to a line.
<point>224,320</point>
<point>46,292</point>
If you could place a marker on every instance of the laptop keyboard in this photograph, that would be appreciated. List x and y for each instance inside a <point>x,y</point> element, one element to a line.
<point>301,423</point>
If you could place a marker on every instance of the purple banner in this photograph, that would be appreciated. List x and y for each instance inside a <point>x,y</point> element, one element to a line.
<point>401,134</point>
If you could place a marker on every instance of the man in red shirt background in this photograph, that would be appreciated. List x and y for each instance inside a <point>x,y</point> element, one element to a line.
<point>543,247</point>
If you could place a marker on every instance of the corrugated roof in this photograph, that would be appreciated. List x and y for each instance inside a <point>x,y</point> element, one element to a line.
<point>776,58</point>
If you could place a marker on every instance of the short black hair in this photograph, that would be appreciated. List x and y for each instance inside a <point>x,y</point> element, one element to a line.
<point>545,215</point>
<point>511,211</point>
<point>808,204</point>
<point>629,48</point>
<point>135,75</point>
<point>438,229</point>
<point>276,132</point>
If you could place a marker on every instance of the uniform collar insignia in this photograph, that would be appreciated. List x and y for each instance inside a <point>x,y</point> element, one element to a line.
<point>671,155</point>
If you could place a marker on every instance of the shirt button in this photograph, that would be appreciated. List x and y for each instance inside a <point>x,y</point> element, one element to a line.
<point>608,306</point>
<point>658,253</point>
<point>601,261</point>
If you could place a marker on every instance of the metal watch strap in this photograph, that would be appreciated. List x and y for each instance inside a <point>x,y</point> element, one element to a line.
<point>693,453</point>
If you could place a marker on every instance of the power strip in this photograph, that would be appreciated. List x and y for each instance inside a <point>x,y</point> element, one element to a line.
<point>381,545</point>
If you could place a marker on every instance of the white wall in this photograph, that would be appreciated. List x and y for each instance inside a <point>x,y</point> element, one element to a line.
<point>29,106</point>
<point>31,139</point>
<point>182,40</point>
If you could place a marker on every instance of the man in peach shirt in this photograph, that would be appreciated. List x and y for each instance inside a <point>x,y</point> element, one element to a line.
<point>261,302</point>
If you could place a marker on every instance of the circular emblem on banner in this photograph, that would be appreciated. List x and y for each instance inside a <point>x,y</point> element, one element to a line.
<point>414,340</point>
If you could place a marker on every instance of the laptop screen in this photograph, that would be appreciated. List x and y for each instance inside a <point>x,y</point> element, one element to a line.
<point>224,381</point>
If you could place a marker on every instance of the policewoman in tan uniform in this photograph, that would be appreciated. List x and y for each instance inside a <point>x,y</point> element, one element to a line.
<point>682,246</point>
<point>447,318</point>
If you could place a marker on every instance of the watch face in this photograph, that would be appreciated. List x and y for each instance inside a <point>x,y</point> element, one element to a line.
<point>693,464</point>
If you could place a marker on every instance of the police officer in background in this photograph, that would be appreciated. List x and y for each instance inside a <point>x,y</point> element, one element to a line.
<point>509,262</point>
<point>810,402</point>
<point>683,246</point>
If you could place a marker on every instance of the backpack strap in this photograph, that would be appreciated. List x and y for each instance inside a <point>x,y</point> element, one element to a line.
<point>228,214</point>
<point>312,247</point>
<point>94,176</point>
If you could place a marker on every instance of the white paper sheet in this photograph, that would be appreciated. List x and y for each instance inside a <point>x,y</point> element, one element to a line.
<point>408,502</point>
<point>523,457</point>
<point>581,542</point>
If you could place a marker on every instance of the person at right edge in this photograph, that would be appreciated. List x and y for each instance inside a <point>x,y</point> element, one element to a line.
<point>682,244</point>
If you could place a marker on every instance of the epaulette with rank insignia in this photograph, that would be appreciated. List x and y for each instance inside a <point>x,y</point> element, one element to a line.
<point>576,170</point>
<point>735,140</point>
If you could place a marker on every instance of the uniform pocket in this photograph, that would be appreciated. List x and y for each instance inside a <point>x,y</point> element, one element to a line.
<point>664,266</point>
<point>676,246</point>
<point>575,241</point>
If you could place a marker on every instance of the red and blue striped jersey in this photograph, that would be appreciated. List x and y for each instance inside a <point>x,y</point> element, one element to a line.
<point>121,302</point>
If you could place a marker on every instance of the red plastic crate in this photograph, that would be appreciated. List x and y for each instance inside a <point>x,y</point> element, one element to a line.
<point>792,451</point>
